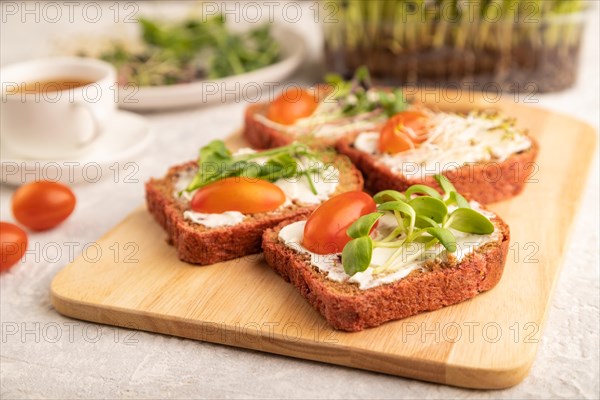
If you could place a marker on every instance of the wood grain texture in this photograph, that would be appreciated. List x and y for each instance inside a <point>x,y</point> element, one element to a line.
<point>487,342</point>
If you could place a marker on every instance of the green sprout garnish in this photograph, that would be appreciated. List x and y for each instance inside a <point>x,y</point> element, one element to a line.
<point>216,162</point>
<point>358,95</point>
<point>422,216</point>
<point>187,50</point>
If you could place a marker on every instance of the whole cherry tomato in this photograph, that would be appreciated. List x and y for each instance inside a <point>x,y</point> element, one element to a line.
<point>325,230</point>
<point>13,244</point>
<point>403,132</point>
<point>42,205</point>
<point>291,105</point>
<point>238,194</point>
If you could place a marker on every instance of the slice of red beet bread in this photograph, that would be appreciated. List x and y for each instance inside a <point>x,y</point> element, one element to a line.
<point>198,244</point>
<point>258,134</point>
<point>348,308</point>
<point>262,136</point>
<point>484,182</point>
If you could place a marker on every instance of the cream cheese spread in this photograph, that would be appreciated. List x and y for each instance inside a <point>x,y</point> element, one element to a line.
<point>331,264</point>
<point>325,182</point>
<point>227,218</point>
<point>297,189</point>
<point>328,120</point>
<point>454,141</point>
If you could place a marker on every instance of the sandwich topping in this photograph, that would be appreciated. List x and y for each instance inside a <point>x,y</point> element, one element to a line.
<point>227,218</point>
<point>335,109</point>
<point>437,142</point>
<point>328,120</point>
<point>412,231</point>
<point>225,188</point>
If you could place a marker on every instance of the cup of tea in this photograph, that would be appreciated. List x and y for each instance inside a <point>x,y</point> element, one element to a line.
<point>56,108</point>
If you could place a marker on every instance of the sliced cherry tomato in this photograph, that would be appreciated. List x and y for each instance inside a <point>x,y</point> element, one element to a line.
<point>42,205</point>
<point>403,132</point>
<point>245,195</point>
<point>291,105</point>
<point>325,230</point>
<point>13,244</point>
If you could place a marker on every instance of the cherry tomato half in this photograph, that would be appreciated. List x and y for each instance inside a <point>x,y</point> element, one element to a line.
<point>403,132</point>
<point>238,194</point>
<point>291,105</point>
<point>325,230</point>
<point>42,205</point>
<point>13,244</point>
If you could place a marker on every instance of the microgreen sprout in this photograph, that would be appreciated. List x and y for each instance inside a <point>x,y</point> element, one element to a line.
<point>358,95</point>
<point>422,215</point>
<point>216,162</point>
<point>187,50</point>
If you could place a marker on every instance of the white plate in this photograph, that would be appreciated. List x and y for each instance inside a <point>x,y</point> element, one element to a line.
<point>233,88</point>
<point>126,136</point>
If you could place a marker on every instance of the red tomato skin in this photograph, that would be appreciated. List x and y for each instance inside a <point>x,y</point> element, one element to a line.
<point>325,229</point>
<point>42,205</point>
<point>293,104</point>
<point>393,140</point>
<point>245,195</point>
<point>13,245</point>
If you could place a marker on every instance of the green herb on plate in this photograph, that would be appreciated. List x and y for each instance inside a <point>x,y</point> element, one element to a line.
<point>190,50</point>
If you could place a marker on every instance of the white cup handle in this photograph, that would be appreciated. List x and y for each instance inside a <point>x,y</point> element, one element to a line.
<point>85,137</point>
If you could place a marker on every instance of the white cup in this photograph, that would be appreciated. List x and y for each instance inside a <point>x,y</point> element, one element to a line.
<point>51,124</point>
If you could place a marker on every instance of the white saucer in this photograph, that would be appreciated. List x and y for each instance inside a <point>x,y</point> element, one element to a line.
<point>125,137</point>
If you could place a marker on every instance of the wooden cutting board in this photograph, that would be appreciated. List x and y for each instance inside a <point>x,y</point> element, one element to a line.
<point>487,342</point>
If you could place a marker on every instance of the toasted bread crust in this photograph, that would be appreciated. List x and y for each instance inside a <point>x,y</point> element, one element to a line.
<point>348,308</point>
<point>484,182</point>
<point>197,244</point>
<point>259,135</point>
